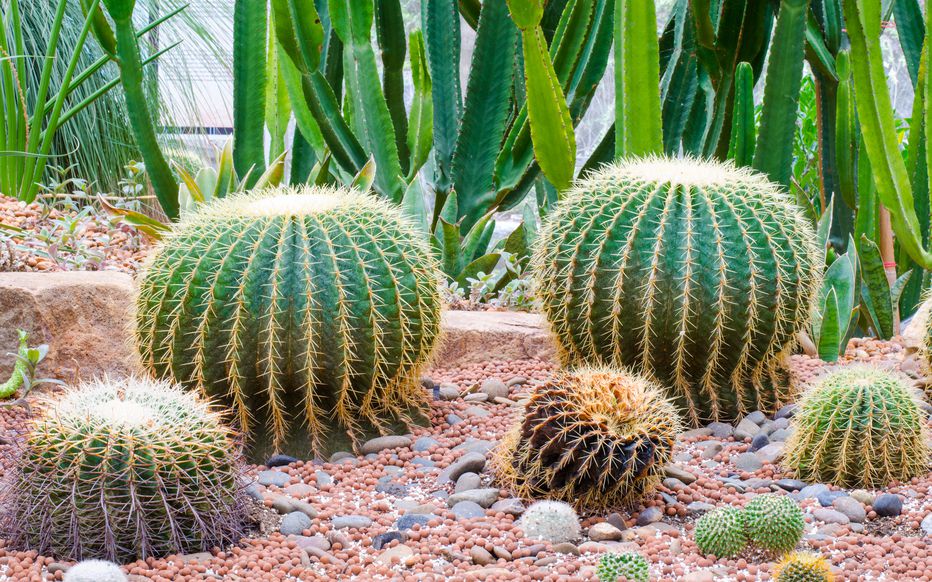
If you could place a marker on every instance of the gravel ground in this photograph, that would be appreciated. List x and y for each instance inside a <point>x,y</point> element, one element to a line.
<point>385,516</point>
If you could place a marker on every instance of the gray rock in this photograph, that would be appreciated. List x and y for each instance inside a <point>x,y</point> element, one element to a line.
<point>677,472</point>
<point>696,432</point>
<point>566,548</point>
<point>604,532</point>
<point>409,520</point>
<point>888,505</point>
<point>759,441</point>
<point>423,462</point>
<point>746,429</point>
<point>282,504</point>
<point>511,506</point>
<point>865,497</point>
<point>350,522</point>
<point>791,484</point>
<point>516,381</point>
<point>709,449</point>
<point>830,516</point>
<point>494,388</point>
<point>294,523</point>
<point>851,507</point>
<point>472,445</point>
<point>453,419</point>
<point>340,455</point>
<point>468,463</point>
<point>389,487</point>
<point>480,556</point>
<point>385,442</point>
<point>467,481</point>
<point>383,539</point>
<point>617,520</point>
<point>254,490</point>
<point>811,491</point>
<point>786,412</point>
<point>699,507</point>
<point>781,423</point>
<point>748,462</point>
<point>477,411</point>
<point>926,525</point>
<point>423,444</point>
<point>272,477</point>
<point>757,417</point>
<point>827,498</point>
<point>673,484</point>
<point>772,453</point>
<point>720,430</point>
<point>780,435</point>
<point>315,541</point>
<point>649,516</point>
<point>323,478</point>
<point>482,497</point>
<point>467,510</point>
<point>449,392</point>
<point>280,461</point>
<point>477,397</point>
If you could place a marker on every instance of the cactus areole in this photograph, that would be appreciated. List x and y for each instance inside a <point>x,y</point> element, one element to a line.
<point>310,312</point>
<point>695,273</point>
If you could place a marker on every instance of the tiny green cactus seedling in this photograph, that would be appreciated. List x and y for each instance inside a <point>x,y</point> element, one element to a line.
<point>721,533</point>
<point>593,437</point>
<point>311,312</point>
<point>696,273</point>
<point>630,566</point>
<point>95,571</point>
<point>23,379</point>
<point>803,567</point>
<point>859,427</point>
<point>774,523</point>
<point>552,521</point>
<point>124,471</point>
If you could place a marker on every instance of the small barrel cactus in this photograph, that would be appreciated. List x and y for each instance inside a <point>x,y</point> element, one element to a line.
<point>552,521</point>
<point>311,312</point>
<point>696,273</point>
<point>629,566</point>
<point>859,427</point>
<point>721,533</point>
<point>803,567</point>
<point>95,571</point>
<point>774,523</point>
<point>593,437</point>
<point>124,471</point>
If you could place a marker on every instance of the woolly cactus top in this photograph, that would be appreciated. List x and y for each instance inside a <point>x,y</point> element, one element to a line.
<point>685,171</point>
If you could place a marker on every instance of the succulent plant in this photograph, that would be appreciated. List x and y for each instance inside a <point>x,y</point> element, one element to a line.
<point>593,437</point>
<point>124,471</point>
<point>774,523</point>
<point>695,273</point>
<point>95,571</point>
<point>803,567</point>
<point>859,427</point>
<point>629,566</point>
<point>552,521</point>
<point>721,533</point>
<point>310,309</point>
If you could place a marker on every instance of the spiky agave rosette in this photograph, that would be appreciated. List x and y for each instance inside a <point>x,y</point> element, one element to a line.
<point>695,273</point>
<point>592,437</point>
<point>310,311</point>
<point>123,471</point>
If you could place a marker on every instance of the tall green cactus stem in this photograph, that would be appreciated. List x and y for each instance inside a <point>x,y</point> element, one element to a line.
<point>250,26</point>
<point>137,106</point>
<point>123,471</point>
<point>696,273</point>
<point>859,427</point>
<point>638,123</point>
<point>743,128</point>
<point>312,309</point>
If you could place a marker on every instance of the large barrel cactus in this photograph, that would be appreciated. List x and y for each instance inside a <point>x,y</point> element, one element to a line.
<point>696,273</point>
<point>124,471</point>
<point>311,312</point>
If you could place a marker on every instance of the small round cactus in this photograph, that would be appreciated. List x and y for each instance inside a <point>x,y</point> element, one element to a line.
<point>696,273</point>
<point>593,437</point>
<point>551,521</point>
<point>629,566</point>
<point>721,533</point>
<point>124,471</point>
<point>95,571</point>
<point>311,312</point>
<point>803,567</point>
<point>859,427</point>
<point>774,523</point>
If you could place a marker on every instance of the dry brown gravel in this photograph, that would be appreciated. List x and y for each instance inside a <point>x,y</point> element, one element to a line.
<point>889,549</point>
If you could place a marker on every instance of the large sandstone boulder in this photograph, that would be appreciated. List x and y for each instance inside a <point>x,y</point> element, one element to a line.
<point>84,317</point>
<point>471,337</point>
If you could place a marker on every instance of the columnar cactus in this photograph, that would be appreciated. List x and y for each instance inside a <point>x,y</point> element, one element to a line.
<point>696,273</point>
<point>306,310</point>
<point>774,523</point>
<point>859,427</point>
<point>593,437</point>
<point>721,533</point>
<point>124,471</point>
<point>803,567</point>
<point>630,566</point>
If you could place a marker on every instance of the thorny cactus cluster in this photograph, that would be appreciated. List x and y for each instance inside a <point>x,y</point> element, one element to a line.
<point>696,273</point>
<point>125,471</point>
<point>721,532</point>
<point>803,567</point>
<point>311,309</point>
<point>593,437</point>
<point>770,522</point>
<point>630,566</point>
<point>859,427</point>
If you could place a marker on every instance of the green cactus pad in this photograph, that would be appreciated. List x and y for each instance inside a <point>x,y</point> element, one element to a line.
<point>630,566</point>
<point>721,533</point>
<point>123,471</point>
<point>859,427</point>
<point>696,273</point>
<point>774,523</point>
<point>310,312</point>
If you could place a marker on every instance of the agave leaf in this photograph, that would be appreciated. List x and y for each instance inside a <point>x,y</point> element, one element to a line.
<point>876,289</point>
<point>366,176</point>
<point>829,342</point>
<point>484,264</point>
<point>149,226</point>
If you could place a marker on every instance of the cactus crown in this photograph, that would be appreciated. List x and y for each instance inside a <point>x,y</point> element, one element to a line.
<point>593,437</point>
<point>629,566</point>
<point>721,533</point>
<point>859,427</point>
<point>803,567</point>
<point>95,571</point>
<point>305,309</point>
<point>552,521</point>
<point>122,471</point>
<point>774,523</point>
<point>696,273</point>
